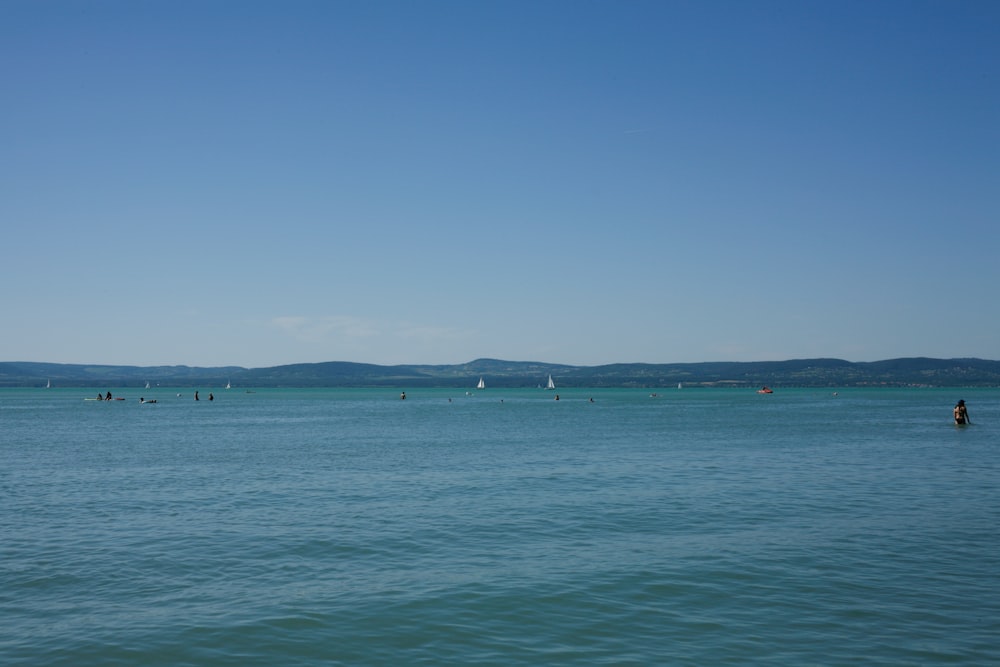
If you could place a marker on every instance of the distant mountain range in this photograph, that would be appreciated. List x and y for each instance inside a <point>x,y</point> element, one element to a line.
<point>915,371</point>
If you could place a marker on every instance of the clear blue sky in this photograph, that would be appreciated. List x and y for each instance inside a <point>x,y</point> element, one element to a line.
<point>261,183</point>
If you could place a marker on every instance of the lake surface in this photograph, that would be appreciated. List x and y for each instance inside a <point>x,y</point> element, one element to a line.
<point>348,527</point>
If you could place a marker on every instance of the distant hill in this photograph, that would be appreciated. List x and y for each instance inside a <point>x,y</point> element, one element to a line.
<point>915,371</point>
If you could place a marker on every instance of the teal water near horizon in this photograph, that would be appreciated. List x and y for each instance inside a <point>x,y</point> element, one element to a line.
<point>348,527</point>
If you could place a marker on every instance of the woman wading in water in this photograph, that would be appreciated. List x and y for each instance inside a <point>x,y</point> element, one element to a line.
<point>961,414</point>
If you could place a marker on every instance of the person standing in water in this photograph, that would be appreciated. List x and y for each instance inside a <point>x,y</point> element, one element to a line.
<point>961,414</point>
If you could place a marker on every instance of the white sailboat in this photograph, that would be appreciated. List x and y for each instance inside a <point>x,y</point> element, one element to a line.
<point>481,385</point>
<point>48,384</point>
<point>229,385</point>
<point>147,384</point>
<point>551,384</point>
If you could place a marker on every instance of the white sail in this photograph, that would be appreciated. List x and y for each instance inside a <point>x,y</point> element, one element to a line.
<point>481,385</point>
<point>229,385</point>
<point>551,384</point>
<point>48,384</point>
<point>147,385</point>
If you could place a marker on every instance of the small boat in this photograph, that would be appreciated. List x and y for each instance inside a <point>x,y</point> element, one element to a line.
<point>147,384</point>
<point>229,385</point>
<point>48,384</point>
<point>551,384</point>
<point>680,386</point>
<point>765,390</point>
<point>481,385</point>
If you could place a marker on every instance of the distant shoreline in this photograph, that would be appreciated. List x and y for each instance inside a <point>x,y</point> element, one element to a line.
<point>904,372</point>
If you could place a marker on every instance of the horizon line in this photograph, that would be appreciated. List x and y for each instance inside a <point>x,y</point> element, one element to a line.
<point>497,359</point>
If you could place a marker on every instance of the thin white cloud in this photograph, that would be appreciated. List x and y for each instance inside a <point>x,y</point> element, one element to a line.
<point>430,333</point>
<point>342,327</point>
<point>320,329</point>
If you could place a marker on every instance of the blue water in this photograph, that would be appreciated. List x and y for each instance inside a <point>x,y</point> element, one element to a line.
<point>348,527</point>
